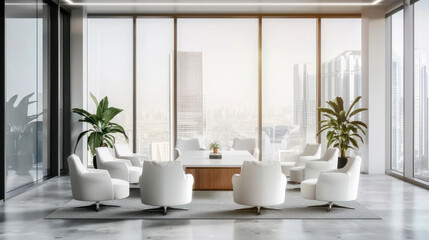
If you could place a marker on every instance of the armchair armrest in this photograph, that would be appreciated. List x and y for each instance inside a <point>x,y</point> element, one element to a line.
<point>134,160</point>
<point>314,168</point>
<point>177,151</point>
<point>141,157</point>
<point>189,179</point>
<point>117,169</point>
<point>235,178</point>
<point>332,186</point>
<point>97,175</point>
<point>304,159</point>
<point>126,161</point>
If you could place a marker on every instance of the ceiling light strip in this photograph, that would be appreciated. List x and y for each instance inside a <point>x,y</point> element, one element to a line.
<point>196,4</point>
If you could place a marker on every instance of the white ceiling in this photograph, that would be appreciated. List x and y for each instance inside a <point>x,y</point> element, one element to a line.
<point>225,6</point>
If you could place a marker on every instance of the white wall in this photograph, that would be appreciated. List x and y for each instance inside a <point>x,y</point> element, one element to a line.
<point>78,76</point>
<point>373,77</point>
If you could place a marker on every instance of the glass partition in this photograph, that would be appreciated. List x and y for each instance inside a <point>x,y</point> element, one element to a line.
<point>397,92</point>
<point>341,73</point>
<point>217,80</point>
<point>421,90</point>
<point>27,91</point>
<point>288,85</point>
<point>155,49</point>
<point>110,68</point>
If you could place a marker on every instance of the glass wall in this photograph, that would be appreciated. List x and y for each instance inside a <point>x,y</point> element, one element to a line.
<point>217,95</point>
<point>421,90</point>
<point>110,67</point>
<point>217,80</point>
<point>289,86</point>
<point>397,92</point>
<point>341,74</point>
<point>27,91</point>
<point>155,50</point>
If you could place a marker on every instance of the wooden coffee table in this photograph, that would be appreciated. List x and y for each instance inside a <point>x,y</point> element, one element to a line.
<point>213,174</point>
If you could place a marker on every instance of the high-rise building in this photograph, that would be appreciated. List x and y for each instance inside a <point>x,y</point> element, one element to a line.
<point>342,76</point>
<point>190,95</point>
<point>420,108</point>
<point>397,106</point>
<point>304,102</point>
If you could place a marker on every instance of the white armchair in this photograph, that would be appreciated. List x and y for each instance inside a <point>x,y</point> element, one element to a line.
<point>327,162</point>
<point>337,185</point>
<point>259,184</point>
<point>187,144</point>
<point>122,151</point>
<point>247,144</point>
<point>94,185</point>
<point>165,184</point>
<point>312,151</point>
<point>118,168</point>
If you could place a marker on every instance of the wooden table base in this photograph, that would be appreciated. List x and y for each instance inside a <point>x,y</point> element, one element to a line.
<point>213,178</point>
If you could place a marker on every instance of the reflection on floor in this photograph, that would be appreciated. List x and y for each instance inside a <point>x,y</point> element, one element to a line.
<point>403,207</point>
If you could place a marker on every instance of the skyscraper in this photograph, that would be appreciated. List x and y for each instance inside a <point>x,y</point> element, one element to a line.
<point>342,76</point>
<point>304,102</point>
<point>190,95</point>
<point>420,109</point>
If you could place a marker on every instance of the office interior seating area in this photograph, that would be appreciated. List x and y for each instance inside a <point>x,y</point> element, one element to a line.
<point>214,119</point>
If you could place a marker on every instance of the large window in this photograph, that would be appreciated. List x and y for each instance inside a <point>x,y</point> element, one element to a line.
<point>341,74</point>
<point>217,79</point>
<point>155,49</point>
<point>289,86</point>
<point>27,91</point>
<point>397,92</point>
<point>207,87</point>
<point>110,67</point>
<point>421,90</point>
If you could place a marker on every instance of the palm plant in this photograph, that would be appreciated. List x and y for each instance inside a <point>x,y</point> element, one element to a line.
<point>101,133</point>
<point>343,131</point>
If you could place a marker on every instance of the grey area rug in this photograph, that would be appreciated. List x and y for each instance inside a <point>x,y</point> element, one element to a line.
<point>212,205</point>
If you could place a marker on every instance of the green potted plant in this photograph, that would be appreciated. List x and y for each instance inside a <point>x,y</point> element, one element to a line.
<point>102,129</point>
<point>342,130</point>
<point>215,146</point>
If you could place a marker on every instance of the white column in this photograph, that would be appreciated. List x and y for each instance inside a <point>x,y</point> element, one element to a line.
<point>78,77</point>
<point>373,76</point>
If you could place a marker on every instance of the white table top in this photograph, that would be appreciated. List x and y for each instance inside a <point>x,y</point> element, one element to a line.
<point>201,159</point>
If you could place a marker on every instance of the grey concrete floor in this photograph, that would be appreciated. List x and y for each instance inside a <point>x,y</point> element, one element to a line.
<point>403,207</point>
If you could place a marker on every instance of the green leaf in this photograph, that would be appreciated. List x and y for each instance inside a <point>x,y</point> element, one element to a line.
<point>357,123</point>
<point>81,112</point>
<point>328,111</point>
<point>352,105</point>
<point>110,113</point>
<point>357,111</point>
<point>339,101</point>
<point>334,106</point>
<point>93,98</point>
<point>95,140</point>
<point>79,137</point>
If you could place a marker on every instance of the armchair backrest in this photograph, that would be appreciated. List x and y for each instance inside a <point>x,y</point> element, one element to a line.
<point>352,168</point>
<point>122,150</point>
<point>162,181</point>
<point>248,144</point>
<point>76,169</point>
<point>331,156</point>
<point>103,155</point>
<point>188,144</point>
<point>262,179</point>
<point>312,149</point>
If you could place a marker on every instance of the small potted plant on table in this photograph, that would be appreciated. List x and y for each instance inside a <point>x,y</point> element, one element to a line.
<point>215,146</point>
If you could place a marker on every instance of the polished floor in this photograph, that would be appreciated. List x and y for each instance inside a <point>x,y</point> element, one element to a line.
<point>403,207</point>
